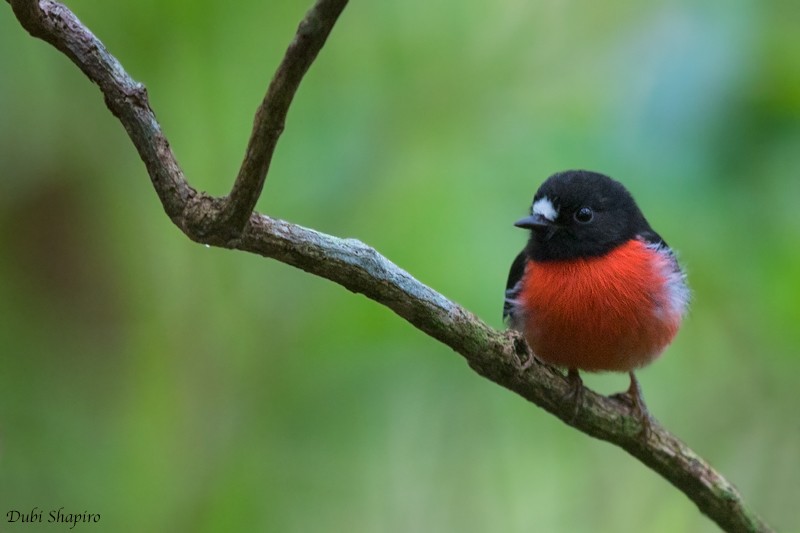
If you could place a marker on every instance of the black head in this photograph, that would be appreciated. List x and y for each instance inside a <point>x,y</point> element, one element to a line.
<point>578,213</point>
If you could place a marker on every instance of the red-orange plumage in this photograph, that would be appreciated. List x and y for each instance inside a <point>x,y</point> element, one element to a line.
<point>601,313</point>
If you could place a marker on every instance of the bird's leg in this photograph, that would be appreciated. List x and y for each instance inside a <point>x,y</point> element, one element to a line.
<point>639,408</point>
<point>575,392</point>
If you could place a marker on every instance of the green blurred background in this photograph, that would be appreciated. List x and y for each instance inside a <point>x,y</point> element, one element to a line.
<point>171,387</point>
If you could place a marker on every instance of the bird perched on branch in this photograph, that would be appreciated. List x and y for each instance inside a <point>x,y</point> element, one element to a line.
<point>595,288</point>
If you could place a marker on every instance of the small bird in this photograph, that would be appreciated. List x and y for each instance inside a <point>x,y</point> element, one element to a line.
<point>595,288</point>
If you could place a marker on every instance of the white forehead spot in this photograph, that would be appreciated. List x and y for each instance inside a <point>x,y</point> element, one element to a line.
<point>544,207</point>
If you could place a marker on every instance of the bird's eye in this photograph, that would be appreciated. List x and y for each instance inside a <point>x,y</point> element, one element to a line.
<point>584,215</point>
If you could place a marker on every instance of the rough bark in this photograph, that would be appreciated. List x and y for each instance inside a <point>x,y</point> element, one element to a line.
<point>230,222</point>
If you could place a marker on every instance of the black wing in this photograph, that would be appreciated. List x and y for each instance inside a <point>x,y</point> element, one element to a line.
<point>651,237</point>
<point>513,285</point>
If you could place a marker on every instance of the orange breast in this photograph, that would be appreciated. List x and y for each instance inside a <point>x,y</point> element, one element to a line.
<point>606,313</point>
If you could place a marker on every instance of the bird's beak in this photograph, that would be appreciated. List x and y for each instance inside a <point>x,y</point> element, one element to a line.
<point>534,222</point>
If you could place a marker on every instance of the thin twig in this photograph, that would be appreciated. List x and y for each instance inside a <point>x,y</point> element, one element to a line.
<point>269,122</point>
<point>356,266</point>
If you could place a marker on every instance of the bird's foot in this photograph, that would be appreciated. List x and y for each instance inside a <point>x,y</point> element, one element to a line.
<point>633,398</point>
<point>523,354</point>
<point>575,392</point>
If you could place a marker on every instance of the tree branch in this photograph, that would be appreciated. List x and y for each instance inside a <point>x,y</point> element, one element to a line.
<point>311,35</point>
<point>224,222</point>
<point>127,99</point>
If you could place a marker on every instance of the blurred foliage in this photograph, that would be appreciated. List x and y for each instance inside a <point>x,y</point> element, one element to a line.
<point>171,387</point>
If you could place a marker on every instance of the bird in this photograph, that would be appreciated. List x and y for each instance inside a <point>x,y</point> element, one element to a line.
<point>595,289</point>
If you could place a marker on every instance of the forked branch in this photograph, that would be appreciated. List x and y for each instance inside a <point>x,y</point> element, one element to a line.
<point>271,115</point>
<point>230,223</point>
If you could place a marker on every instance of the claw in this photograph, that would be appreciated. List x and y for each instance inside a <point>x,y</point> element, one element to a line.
<point>575,392</point>
<point>520,346</point>
<point>639,408</point>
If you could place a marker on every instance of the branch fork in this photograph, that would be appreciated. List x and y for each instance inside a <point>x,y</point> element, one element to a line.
<point>230,222</point>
